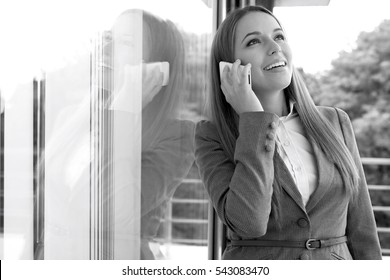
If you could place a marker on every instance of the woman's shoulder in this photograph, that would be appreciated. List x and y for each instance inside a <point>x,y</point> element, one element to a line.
<point>205,129</point>
<point>334,114</point>
<point>176,131</point>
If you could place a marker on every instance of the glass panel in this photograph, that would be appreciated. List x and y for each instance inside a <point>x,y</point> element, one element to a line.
<point>18,159</point>
<point>67,157</point>
<point>124,51</point>
<point>173,215</point>
<point>98,129</point>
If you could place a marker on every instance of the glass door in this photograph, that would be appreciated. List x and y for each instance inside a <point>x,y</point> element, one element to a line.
<point>99,106</point>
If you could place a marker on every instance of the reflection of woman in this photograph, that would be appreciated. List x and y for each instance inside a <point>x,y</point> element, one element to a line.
<point>167,142</point>
<point>284,176</point>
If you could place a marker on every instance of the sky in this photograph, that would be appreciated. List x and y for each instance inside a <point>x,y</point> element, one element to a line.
<point>318,34</point>
<point>43,35</point>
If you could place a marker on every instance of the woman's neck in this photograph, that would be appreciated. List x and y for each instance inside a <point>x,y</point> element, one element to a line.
<point>274,103</point>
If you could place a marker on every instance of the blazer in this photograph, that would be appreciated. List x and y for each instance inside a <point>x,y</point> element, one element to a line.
<point>256,198</point>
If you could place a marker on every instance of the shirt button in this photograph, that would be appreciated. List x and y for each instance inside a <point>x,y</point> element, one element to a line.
<point>303,223</point>
<point>272,125</point>
<point>268,148</point>
<point>286,143</point>
<point>297,168</point>
<point>270,136</point>
<point>304,257</point>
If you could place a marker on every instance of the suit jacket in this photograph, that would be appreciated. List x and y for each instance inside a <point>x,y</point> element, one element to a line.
<point>256,197</point>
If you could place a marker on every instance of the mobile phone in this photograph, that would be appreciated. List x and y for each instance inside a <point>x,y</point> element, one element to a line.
<point>163,67</point>
<point>222,66</point>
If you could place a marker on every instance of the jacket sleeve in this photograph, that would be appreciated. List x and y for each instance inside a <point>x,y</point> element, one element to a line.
<point>240,191</point>
<point>361,230</point>
<point>165,165</point>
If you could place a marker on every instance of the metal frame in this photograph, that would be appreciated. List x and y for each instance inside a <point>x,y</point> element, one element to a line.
<point>101,169</point>
<point>2,113</point>
<point>39,166</point>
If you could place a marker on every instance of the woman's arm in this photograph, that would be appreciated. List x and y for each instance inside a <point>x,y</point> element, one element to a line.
<point>167,164</point>
<point>361,227</point>
<point>240,191</point>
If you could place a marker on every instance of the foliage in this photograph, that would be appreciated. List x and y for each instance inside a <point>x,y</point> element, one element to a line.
<point>197,50</point>
<point>359,83</point>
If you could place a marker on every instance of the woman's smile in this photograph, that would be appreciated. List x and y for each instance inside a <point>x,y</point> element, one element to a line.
<point>277,66</point>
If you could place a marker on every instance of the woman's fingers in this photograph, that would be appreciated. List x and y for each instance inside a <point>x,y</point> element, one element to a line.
<point>235,71</point>
<point>236,87</point>
<point>225,74</point>
<point>152,80</point>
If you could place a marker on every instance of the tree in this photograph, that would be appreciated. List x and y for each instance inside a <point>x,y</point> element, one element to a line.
<point>359,83</point>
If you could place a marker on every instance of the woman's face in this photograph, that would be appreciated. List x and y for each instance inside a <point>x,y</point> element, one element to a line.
<point>259,40</point>
<point>128,40</point>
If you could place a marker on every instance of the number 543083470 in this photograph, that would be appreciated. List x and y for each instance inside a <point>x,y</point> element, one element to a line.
<point>235,270</point>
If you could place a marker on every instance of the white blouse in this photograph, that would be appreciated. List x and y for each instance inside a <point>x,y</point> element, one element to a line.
<point>297,153</point>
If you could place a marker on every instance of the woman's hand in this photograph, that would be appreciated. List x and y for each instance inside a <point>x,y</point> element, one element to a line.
<point>237,90</point>
<point>137,82</point>
<point>152,80</point>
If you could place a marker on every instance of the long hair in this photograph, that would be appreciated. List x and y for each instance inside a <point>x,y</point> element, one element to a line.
<point>316,126</point>
<point>161,41</point>
<point>165,43</point>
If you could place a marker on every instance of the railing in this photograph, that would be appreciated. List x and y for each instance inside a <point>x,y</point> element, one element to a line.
<point>170,220</point>
<point>380,208</point>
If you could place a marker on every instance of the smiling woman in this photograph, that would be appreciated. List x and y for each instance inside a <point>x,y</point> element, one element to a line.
<point>283,175</point>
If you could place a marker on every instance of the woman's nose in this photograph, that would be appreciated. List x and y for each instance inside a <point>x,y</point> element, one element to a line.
<point>274,47</point>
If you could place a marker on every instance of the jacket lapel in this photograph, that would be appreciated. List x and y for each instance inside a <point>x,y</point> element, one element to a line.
<point>325,176</point>
<point>286,181</point>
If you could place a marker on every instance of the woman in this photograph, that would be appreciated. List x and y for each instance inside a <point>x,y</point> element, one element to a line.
<point>167,140</point>
<point>283,175</point>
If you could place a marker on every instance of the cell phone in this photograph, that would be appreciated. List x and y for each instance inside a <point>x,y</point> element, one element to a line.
<point>222,65</point>
<point>163,67</point>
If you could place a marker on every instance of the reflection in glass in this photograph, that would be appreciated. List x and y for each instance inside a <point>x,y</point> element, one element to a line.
<point>101,165</point>
<point>167,141</point>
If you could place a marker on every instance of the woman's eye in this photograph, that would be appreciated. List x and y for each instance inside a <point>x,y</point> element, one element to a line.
<point>253,41</point>
<point>280,37</point>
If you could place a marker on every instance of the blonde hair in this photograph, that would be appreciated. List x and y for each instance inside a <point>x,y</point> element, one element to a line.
<point>317,127</point>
